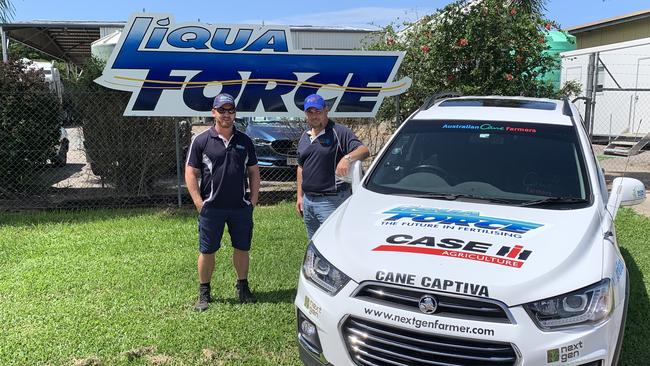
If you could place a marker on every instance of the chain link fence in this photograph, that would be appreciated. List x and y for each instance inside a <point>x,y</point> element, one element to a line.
<point>619,119</point>
<point>620,115</point>
<point>100,158</point>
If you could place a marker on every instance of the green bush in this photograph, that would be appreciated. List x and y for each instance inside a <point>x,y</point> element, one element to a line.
<point>30,122</point>
<point>128,153</point>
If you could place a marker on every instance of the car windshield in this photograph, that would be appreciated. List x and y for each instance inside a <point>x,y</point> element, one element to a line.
<point>272,120</point>
<point>264,120</point>
<point>503,162</point>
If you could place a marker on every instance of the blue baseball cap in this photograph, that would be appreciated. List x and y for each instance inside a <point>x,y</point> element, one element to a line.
<point>314,101</point>
<point>222,99</point>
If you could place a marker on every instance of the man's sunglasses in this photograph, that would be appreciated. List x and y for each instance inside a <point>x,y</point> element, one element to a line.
<point>226,110</point>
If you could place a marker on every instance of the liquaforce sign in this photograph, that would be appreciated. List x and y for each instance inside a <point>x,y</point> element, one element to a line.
<point>455,220</point>
<point>177,69</point>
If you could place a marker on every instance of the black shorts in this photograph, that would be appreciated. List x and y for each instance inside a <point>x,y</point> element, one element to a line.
<point>212,222</point>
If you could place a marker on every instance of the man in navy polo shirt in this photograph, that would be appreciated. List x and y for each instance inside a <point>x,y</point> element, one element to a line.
<point>325,152</point>
<point>224,159</point>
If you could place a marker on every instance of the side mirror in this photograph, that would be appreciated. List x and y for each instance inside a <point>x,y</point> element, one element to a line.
<point>356,174</point>
<point>625,192</point>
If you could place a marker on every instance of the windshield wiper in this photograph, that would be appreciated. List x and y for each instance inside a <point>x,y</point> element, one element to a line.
<point>553,200</point>
<point>454,196</point>
<point>446,196</point>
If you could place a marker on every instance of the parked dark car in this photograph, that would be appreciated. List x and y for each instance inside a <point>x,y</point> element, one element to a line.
<point>276,145</point>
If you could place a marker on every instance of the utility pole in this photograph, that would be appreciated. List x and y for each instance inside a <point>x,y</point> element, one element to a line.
<point>5,51</point>
<point>589,103</point>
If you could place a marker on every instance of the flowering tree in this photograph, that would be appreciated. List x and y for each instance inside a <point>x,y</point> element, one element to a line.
<point>488,47</point>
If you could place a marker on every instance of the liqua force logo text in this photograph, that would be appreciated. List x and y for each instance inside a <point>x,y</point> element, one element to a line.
<point>456,220</point>
<point>177,69</point>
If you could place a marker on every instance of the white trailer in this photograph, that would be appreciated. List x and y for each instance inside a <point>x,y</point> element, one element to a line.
<point>50,73</point>
<point>622,85</point>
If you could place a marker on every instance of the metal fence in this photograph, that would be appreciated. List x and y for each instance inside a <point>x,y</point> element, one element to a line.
<point>100,158</point>
<point>617,110</point>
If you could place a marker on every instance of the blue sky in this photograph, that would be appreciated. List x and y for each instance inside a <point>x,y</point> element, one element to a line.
<point>360,13</point>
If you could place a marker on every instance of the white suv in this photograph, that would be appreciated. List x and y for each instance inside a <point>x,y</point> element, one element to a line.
<point>481,235</point>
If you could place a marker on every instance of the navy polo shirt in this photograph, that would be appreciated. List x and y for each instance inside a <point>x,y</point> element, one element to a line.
<point>318,159</point>
<point>223,169</point>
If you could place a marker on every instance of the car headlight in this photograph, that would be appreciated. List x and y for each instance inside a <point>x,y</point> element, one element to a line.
<point>259,141</point>
<point>322,273</point>
<point>589,305</point>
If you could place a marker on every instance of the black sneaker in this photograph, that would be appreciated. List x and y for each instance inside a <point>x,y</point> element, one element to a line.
<point>204,299</point>
<point>244,293</point>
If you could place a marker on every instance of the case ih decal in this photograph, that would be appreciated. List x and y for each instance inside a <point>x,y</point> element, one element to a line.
<point>510,256</point>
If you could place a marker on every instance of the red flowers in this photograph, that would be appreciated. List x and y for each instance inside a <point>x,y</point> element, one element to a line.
<point>425,49</point>
<point>462,42</point>
<point>547,26</point>
<point>390,41</point>
<point>513,12</point>
<point>508,77</point>
<point>542,40</point>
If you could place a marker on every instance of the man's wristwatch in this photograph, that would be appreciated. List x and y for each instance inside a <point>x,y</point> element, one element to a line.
<point>348,158</point>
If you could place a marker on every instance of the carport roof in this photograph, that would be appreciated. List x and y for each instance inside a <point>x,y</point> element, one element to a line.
<point>641,14</point>
<point>65,40</point>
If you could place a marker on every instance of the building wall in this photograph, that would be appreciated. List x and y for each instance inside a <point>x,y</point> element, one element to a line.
<point>628,31</point>
<point>104,31</point>
<point>329,40</point>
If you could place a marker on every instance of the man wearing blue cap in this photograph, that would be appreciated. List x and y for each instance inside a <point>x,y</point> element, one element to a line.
<point>224,159</point>
<point>325,152</point>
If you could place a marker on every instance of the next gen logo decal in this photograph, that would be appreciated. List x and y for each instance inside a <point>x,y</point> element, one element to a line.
<point>472,221</point>
<point>565,353</point>
<point>509,256</point>
<point>177,69</point>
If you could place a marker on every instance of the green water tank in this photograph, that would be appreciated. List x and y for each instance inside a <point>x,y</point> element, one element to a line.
<point>557,42</point>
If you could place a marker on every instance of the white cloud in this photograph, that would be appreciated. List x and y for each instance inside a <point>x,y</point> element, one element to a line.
<point>366,17</point>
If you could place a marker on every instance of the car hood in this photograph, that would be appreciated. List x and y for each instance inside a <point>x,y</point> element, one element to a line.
<point>512,254</point>
<point>274,131</point>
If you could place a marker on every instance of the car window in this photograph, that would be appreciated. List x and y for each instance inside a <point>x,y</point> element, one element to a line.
<point>264,120</point>
<point>501,160</point>
<point>240,124</point>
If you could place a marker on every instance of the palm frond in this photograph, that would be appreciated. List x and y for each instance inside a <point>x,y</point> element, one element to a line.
<point>6,11</point>
<point>529,6</point>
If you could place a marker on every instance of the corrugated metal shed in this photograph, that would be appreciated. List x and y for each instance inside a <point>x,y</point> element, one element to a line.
<point>104,31</point>
<point>319,38</point>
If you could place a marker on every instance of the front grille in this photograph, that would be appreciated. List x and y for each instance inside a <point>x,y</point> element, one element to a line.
<point>285,147</point>
<point>373,344</point>
<point>448,305</point>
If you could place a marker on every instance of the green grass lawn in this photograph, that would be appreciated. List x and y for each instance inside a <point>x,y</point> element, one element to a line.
<point>103,284</point>
<point>117,288</point>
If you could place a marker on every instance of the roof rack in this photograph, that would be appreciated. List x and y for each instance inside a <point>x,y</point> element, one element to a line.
<point>566,108</point>
<point>438,96</point>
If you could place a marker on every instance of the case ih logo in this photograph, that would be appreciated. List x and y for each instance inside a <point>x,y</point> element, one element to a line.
<point>472,221</point>
<point>177,69</point>
<point>509,256</point>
